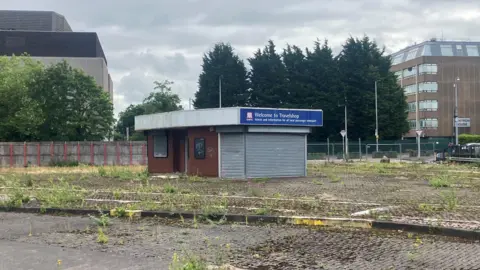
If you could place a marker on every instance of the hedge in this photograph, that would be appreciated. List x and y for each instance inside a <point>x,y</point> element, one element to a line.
<point>468,138</point>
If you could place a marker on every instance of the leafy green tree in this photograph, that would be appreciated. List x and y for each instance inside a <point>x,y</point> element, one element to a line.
<point>324,91</point>
<point>75,107</point>
<point>162,99</point>
<point>361,63</point>
<point>268,77</point>
<point>20,115</point>
<point>296,77</point>
<point>222,64</point>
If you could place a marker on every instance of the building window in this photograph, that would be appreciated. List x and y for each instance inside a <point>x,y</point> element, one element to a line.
<point>459,50</point>
<point>399,75</point>
<point>412,124</point>
<point>422,87</point>
<point>160,145</point>
<point>430,123</point>
<point>411,54</point>
<point>397,59</point>
<point>199,144</point>
<point>411,107</point>
<point>410,89</point>
<point>428,69</point>
<point>428,87</point>
<point>428,105</point>
<point>446,50</point>
<point>472,50</point>
<point>427,50</point>
<point>409,72</point>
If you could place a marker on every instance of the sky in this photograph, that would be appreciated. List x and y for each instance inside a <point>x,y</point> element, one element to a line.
<point>148,40</point>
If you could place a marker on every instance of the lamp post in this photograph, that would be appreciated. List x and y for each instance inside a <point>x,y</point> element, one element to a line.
<point>376,115</point>
<point>220,91</point>
<point>346,131</point>
<point>456,110</point>
<point>418,131</point>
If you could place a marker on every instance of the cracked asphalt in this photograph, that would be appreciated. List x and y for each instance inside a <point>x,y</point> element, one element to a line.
<point>29,241</point>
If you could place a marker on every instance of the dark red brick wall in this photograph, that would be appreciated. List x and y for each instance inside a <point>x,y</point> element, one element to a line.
<point>209,165</point>
<point>160,165</point>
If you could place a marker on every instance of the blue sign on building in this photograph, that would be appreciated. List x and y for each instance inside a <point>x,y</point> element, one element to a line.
<point>279,117</point>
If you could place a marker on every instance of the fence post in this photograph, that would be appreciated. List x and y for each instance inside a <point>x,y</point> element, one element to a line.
<point>144,154</point>
<point>360,147</point>
<point>366,152</point>
<point>78,152</point>
<point>328,149</point>
<point>11,155</point>
<point>24,154</point>
<point>51,152</point>
<point>117,153</point>
<point>38,154</point>
<point>401,153</point>
<point>92,159</point>
<point>65,151</point>
<point>104,154</point>
<point>131,154</point>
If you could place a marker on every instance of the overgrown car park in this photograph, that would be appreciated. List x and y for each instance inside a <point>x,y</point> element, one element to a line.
<point>433,195</point>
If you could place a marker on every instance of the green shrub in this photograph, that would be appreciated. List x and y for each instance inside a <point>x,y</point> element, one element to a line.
<point>468,138</point>
<point>63,163</point>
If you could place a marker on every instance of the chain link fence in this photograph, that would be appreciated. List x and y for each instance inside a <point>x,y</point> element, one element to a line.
<point>367,150</point>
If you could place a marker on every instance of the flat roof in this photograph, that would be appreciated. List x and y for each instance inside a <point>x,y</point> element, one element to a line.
<point>229,117</point>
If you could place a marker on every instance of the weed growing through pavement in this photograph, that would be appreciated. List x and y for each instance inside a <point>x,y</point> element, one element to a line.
<point>120,212</point>
<point>27,180</point>
<point>261,211</point>
<point>16,199</point>
<point>168,188</point>
<point>102,238</point>
<point>450,199</point>
<point>61,194</point>
<point>117,195</point>
<point>103,220</point>
<point>440,181</point>
<point>187,262</point>
<point>317,182</point>
<point>333,177</point>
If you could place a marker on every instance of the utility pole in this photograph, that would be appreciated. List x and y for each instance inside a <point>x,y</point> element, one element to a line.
<point>346,130</point>
<point>376,115</point>
<point>456,110</point>
<point>220,91</point>
<point>417,116</point>
<point>128,133</point>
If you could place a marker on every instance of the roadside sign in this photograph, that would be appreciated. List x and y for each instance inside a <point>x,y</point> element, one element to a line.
<point>462,122</point>
<point>419,132</point>
<point>343,133</point>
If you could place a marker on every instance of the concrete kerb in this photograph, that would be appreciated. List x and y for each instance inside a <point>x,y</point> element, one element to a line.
<point>292,220</point>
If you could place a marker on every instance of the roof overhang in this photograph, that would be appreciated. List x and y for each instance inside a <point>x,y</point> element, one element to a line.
<point>230,117</point>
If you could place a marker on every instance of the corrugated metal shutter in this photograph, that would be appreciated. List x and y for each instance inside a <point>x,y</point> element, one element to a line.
<point>275,155</point>
<point>232,155</point>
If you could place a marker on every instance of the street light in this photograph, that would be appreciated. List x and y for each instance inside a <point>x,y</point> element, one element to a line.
<point>220,91</point>
<point>456,110</point>
<point>418,131</point>
<point>376,115</point>
<point>345,138</point>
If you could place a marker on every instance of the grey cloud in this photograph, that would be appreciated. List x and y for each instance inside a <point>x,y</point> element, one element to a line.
<point>165,39</point>
<point>173,66</point>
